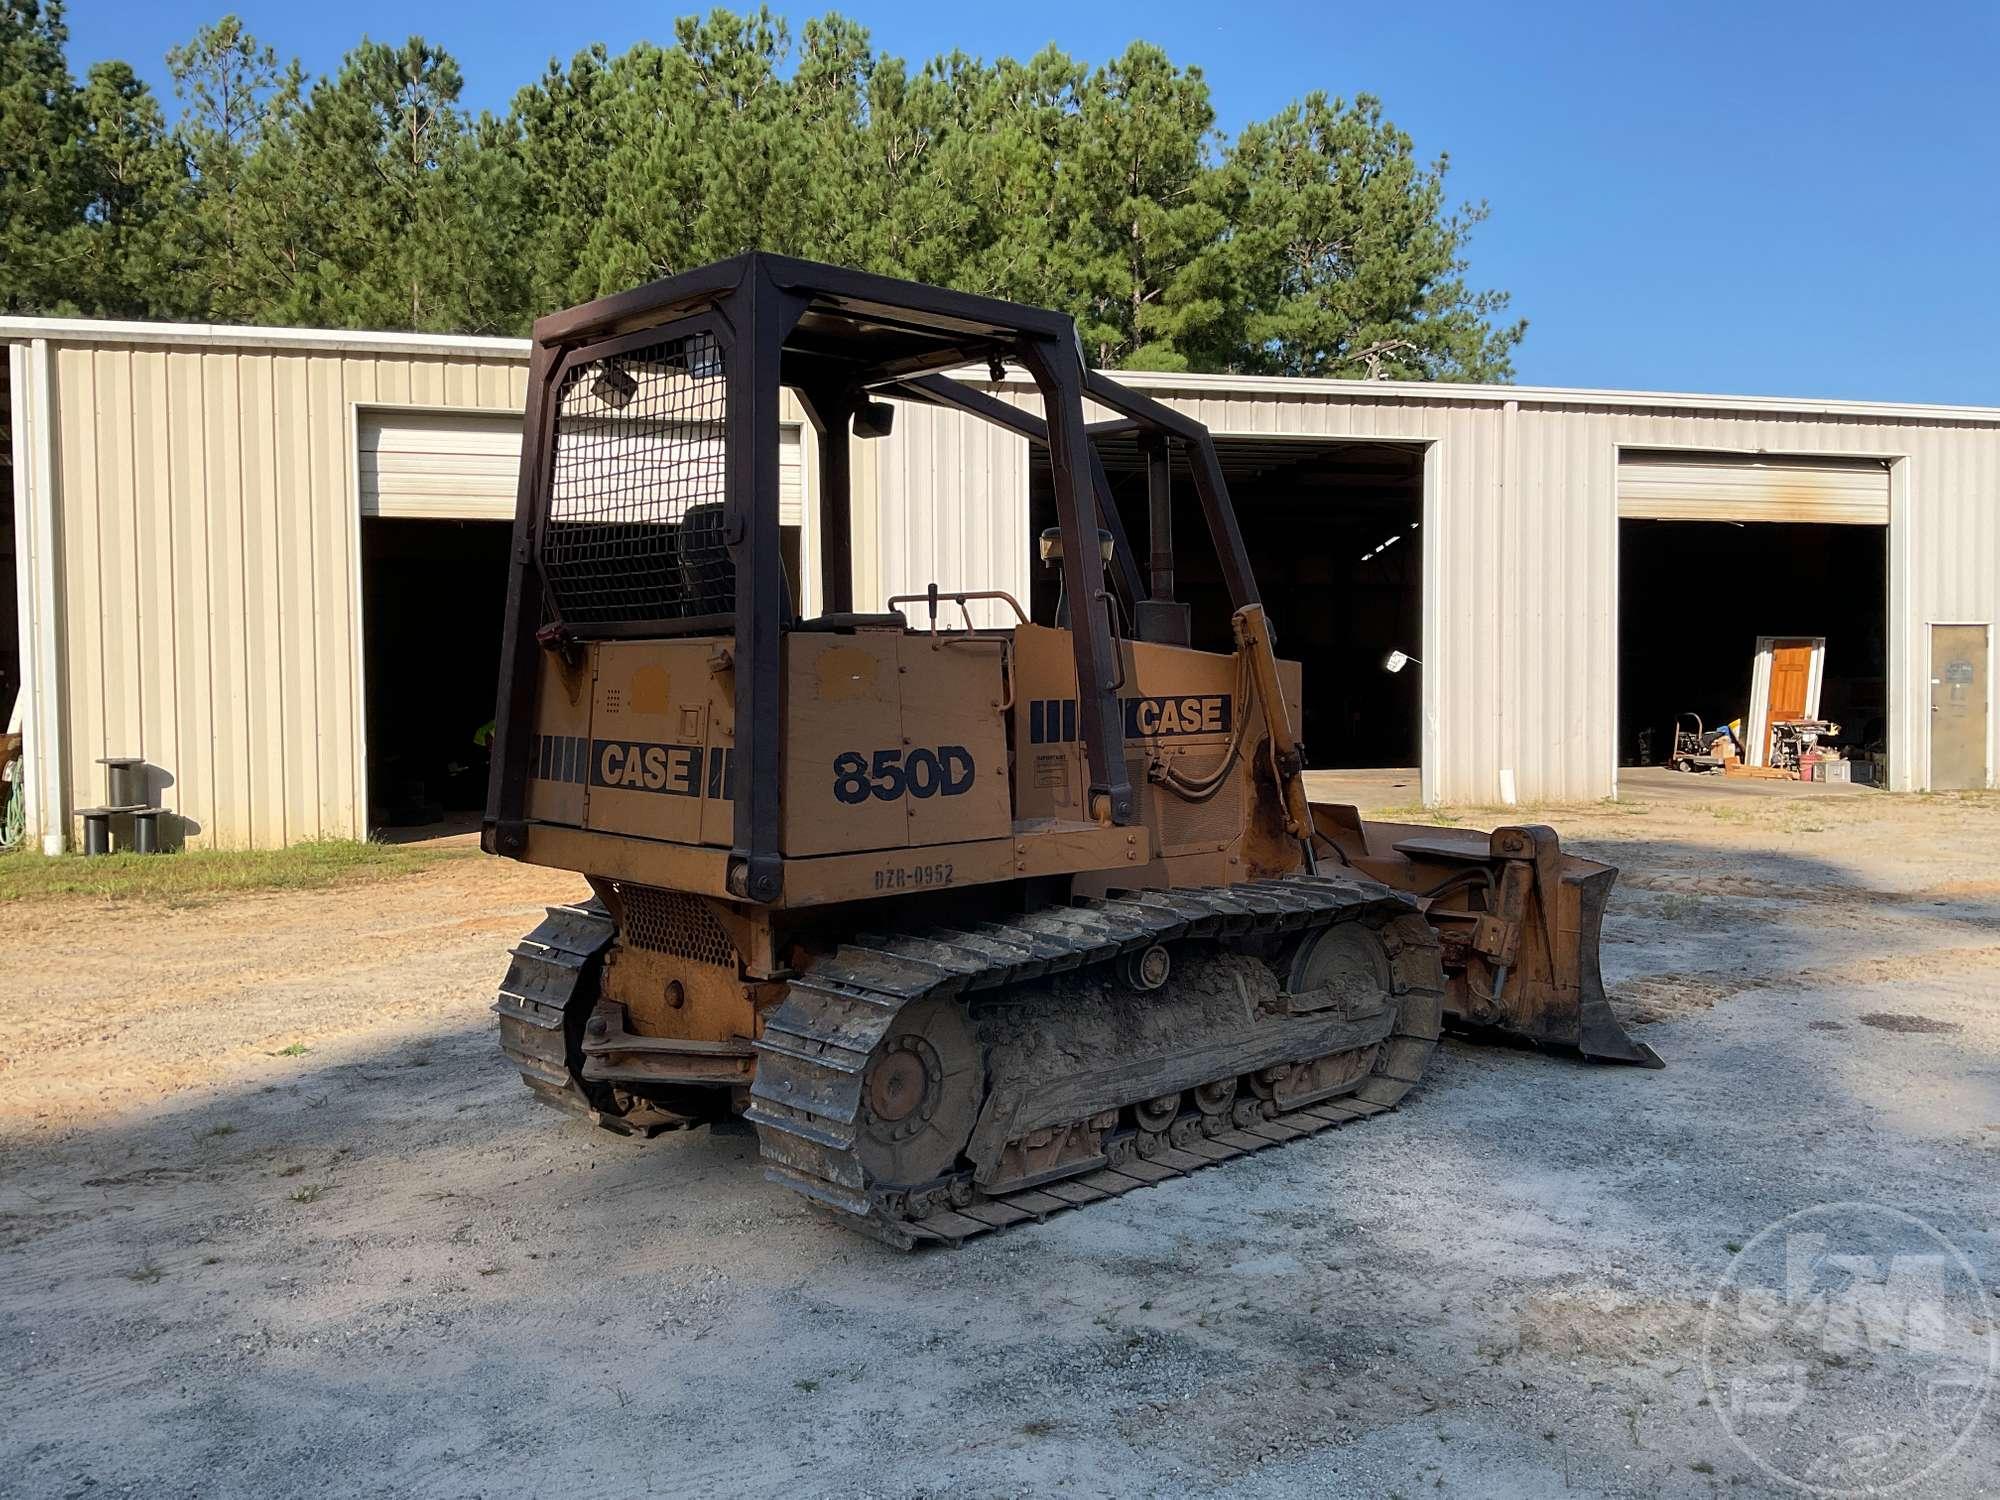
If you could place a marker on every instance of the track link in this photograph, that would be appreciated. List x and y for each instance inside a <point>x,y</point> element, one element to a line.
<point>544,1000</point>
<point>807,1099</point>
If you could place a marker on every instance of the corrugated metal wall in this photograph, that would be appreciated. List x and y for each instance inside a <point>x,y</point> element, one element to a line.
<point>205,557</point>
<point>951,508</point>
<point>208,547</point>
<point>1521,548</point>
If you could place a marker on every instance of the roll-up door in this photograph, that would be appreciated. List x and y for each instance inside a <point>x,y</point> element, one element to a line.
<point>1734,487</point>
<point>463,466</point>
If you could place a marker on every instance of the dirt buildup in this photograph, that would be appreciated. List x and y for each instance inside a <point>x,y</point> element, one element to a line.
<point>1887,1020</point>
<point>1668,997</point>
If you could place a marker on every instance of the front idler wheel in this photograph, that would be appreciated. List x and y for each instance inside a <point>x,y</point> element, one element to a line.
<point>920,1096</point>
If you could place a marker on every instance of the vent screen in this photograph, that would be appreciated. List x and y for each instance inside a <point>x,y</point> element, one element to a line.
<point>675,923</point>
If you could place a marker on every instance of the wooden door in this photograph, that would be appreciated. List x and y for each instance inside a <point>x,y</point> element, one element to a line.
<point>1959,698</point>
<point>1791,683</point>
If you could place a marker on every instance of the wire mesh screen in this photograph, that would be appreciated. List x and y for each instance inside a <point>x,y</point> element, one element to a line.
<point>636,502</point>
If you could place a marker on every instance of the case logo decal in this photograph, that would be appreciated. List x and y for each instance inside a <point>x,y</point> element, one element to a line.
<point>1052,721</point>
<point>671,770</point>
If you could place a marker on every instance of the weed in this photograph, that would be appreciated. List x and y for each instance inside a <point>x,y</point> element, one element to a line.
<point>145,1273</point>
<point>808,1386</point>
<point>1702,1466</point>
<point>1732,1247</point>
<point>297,1049</point>
<point>218,1130</point>
<point>312,1192</point>
<point>1037,1427</point>
<point>292,1171</point>
<point>211,1260</point>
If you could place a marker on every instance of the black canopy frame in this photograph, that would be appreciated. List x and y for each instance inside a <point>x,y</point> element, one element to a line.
<point>840,340</point>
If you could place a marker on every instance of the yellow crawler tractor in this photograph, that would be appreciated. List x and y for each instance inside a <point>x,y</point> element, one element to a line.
<point>975,922</point>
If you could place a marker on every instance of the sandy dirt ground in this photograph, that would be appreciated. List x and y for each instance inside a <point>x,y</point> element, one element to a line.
<point>229,1266</point>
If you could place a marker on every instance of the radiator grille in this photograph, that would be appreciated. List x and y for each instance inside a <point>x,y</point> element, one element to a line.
<point>675,923</point>
<point>1209,823</point>
<point>634,530</point>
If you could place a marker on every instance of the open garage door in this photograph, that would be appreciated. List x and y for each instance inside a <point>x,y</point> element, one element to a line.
<point>463,465</point>
<point>1663,486</point>
<point>437,506</point>
<point>1720,554</point>
<point>1333,528</point>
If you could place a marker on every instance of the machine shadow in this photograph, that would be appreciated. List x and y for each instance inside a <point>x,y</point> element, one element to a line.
<point>399,1099</point>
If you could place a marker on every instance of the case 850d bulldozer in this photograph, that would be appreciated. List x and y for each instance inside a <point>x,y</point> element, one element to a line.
<point>975,922</point>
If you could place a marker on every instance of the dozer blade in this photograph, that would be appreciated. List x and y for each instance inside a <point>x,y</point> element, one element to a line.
<point>1519,920</point>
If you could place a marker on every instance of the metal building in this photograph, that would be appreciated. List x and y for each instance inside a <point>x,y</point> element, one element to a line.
<point>261,560</point>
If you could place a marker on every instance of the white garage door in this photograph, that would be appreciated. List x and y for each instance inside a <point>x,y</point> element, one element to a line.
<point>463,466</point>
<point>1731,487</point>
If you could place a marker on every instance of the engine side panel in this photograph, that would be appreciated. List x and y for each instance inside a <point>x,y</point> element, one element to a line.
<point>1182,708</point>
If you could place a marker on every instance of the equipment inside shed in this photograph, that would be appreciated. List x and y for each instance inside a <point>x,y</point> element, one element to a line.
<point>432,595</point>
<point>1694,597</point>
<point>1334,533</point>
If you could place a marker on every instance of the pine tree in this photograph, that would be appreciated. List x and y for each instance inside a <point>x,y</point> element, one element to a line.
<point>1348,261</point>
<point>232,90</point>
<point>139,196</point>
<point>1315,243</point>
<point>1145,240</point>
<point>558,136</point>
<point>44,167</point>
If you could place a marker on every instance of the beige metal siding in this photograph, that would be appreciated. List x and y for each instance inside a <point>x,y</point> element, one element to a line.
<point>1521,547</point>
<point>207,553</point>
<point>950,507</point>
<point>208,512</point>
<point>202,569</point>
<point>1736,487</point>
<point>464,466</point>
<point>31,387</point>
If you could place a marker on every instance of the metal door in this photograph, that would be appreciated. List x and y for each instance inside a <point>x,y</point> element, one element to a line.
<point>1959,698</point>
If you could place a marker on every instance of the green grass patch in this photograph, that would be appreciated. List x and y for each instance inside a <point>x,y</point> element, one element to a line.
<point>1494,815</point>
<point>1414,812</point>
<point>198,873</point>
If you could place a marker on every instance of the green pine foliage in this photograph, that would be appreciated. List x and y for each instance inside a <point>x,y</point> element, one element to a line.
<point>1313,243</point>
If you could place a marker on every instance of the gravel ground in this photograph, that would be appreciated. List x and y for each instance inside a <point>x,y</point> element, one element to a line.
<point>229,1266</point>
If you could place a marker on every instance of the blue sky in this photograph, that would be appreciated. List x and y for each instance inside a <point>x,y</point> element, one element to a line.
<point>1792,199</point>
